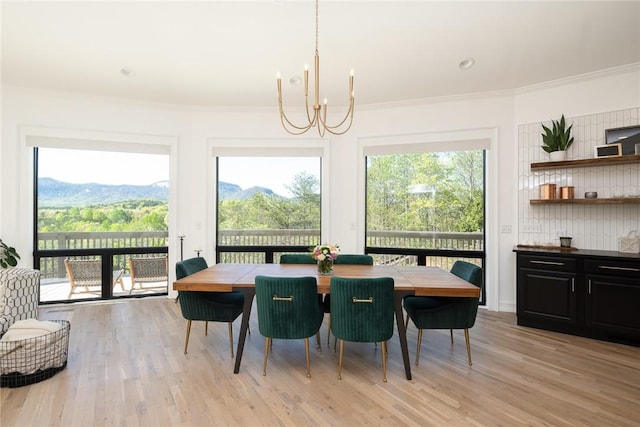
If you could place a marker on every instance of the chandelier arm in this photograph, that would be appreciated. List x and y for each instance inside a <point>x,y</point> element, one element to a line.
<point>348,115</point>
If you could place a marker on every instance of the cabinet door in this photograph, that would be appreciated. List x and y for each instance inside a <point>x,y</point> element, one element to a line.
<point>547,295</point>
<point>613,305</point>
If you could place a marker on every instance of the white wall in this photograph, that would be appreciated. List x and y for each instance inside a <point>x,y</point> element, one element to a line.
<point>494,117</point>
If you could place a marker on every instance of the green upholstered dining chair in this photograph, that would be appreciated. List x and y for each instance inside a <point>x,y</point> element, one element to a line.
<point>288,308</point>
<point>297,259</point>
<point>345,259</point>
<point>362,311</point>
<point>207,306</point>
<point>302,259</point>
<point>446,313</point>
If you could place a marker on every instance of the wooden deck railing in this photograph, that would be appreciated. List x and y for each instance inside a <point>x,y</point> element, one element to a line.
<point>245,246</point>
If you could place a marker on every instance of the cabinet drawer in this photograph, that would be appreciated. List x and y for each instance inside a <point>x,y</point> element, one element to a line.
<point>553,263</point>
<point>611,267</point>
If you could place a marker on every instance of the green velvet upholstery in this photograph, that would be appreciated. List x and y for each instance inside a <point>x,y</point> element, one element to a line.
<point>296,319</point>
<point>362,311</point>
<point>347,259</point>
<point>446,313</point>
<point>288,308</point>
<point>297,259</point>
<point>206,306</point>
<point>354,259</point>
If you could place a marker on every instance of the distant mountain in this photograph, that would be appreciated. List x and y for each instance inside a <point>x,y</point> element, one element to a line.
<point>234,192</point>
<point>54,193</point>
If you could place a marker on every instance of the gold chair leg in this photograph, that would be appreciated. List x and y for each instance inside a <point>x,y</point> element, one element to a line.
<point>466,338</point>
<point>231,338</point>
<point>206,328</point>
<point>406,323</point>
<point>384,361</point>
<point>328,330</point>
<point>418,349</point>
<point>306,349</point>
<point>340,359</point>
<point>451,333</point>
<point>267,343</point>
<point>186,340</point>
<point>318,343</point>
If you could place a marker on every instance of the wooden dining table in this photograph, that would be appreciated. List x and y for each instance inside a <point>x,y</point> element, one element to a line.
<point>422,281</point>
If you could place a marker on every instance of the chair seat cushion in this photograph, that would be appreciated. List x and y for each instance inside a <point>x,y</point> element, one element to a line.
<point>441,313</point>
<point>211,306</point>
<point>412,304</point>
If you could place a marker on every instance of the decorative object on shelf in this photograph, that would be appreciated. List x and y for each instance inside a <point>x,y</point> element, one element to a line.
<point>591,195</point>
<point>319,116</point>
<point>607,150</point>
<point>566,192</point>
<point>557,139</point>
<point>548,191</point>
<point>325,255</point>
<point>8,255</point>
<point>629,243</point>
<point>565,242</point>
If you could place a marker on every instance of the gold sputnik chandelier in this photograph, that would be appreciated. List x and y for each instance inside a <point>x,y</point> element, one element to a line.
<point>319,117</point>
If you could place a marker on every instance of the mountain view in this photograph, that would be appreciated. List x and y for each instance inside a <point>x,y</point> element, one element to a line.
<point>54,193</point>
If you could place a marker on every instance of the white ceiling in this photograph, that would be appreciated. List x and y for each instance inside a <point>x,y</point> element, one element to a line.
<point>227,53</point>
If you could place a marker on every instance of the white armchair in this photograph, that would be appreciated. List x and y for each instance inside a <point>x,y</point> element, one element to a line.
<point>18,295</point>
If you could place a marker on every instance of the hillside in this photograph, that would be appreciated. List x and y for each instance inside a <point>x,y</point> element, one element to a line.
<point>54,193</point>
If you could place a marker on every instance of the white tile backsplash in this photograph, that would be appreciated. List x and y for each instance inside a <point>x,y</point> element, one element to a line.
<point>591,226</point>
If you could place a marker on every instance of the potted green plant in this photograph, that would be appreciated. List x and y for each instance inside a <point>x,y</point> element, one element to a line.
<point>557,139</point>
<point>8,255</point>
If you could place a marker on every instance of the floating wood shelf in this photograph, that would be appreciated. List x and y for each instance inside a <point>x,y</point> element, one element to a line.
<point>583,163</point>
<point>610,201</point>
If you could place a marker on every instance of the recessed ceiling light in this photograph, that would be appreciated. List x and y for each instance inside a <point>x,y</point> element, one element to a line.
<point>467,63</point>
<point>295,80</point>
<point>127,72</point>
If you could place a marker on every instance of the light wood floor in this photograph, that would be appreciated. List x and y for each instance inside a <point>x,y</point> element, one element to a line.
<point>127,368</point>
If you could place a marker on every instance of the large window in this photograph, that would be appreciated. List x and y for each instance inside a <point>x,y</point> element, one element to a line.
<point>266,206</point>
<point>95,211</point>
<point>425,208</point>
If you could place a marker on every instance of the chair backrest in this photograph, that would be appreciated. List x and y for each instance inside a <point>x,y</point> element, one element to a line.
<point>151,269</point>
<point>84,272</point>
<point>288,307</point>
<point>467,271</point>
<point>354,259</point>
<point>189,266</point>
<point>362,308</point>
<point>297,259</point>
<point>19,295</point>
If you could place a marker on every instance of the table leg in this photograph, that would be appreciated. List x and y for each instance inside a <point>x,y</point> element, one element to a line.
<point>249,293</point>
<point>402,331</point>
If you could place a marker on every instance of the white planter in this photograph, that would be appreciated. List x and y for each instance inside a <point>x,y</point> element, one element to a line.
<point>558,156</point>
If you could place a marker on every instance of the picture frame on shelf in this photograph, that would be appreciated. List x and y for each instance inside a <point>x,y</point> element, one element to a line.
<point>627,136</point>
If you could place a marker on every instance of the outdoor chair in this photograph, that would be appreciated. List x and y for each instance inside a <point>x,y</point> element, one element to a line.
<point>151,270</point>
<point>362,311</point>
<point>446,313</point>
<point>87,274</point>
<point>288,308</point>
<point>207,306</point>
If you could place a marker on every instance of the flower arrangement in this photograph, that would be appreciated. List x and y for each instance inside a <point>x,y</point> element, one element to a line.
<point>325,255</point>
<point>324,251</point>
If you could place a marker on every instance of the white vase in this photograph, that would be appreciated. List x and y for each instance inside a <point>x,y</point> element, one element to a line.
<point>558,156</point>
